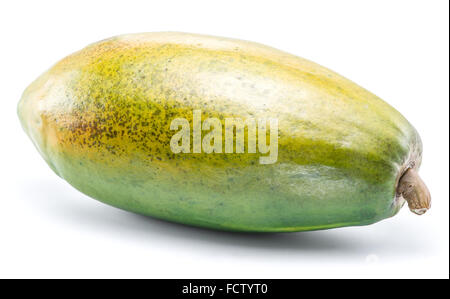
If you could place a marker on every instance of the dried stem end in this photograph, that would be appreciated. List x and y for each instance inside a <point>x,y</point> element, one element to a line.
<point>413,190</point>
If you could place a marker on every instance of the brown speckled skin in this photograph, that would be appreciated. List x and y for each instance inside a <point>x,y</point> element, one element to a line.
<point>100,118</point>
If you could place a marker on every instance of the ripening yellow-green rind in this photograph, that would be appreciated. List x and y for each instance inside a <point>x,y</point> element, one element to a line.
<point>101,119</point>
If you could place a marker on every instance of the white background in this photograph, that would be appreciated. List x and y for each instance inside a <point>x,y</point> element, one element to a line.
<point>396,49</point>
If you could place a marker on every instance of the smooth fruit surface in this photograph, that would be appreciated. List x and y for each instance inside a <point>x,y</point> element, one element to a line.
<point>101,119</point>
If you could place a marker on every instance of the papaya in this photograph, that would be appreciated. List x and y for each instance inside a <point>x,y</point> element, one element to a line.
<point>224,134</point>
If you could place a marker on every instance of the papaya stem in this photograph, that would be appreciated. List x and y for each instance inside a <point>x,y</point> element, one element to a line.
<point>415,192</point>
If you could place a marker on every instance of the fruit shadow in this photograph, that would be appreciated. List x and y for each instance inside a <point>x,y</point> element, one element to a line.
<point>61,202</point>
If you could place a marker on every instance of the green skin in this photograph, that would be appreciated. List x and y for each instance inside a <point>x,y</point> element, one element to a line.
<point>101,119</point>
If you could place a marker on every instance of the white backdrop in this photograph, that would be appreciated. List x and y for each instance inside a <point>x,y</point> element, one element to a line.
<point>399,50</point>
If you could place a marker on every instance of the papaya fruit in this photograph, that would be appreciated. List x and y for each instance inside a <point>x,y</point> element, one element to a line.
<point>223,134</point>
